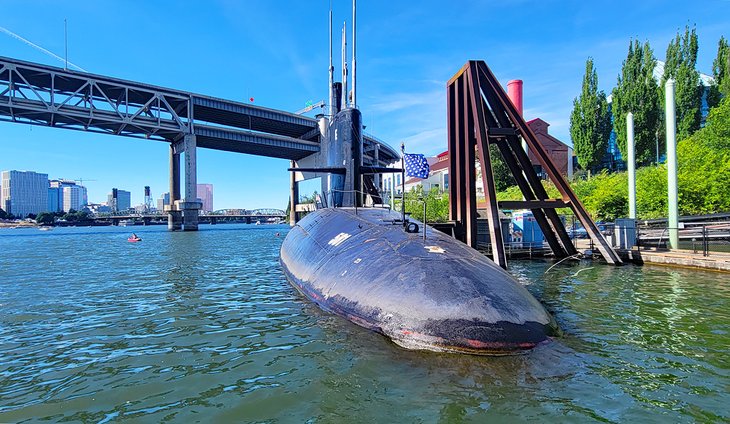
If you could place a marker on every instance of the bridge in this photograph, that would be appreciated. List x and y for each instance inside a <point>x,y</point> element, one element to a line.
<point>37,94</point>
<point>248,216</point>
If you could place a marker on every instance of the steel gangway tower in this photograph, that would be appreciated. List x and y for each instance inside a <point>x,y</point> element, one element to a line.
<point>479,114</point>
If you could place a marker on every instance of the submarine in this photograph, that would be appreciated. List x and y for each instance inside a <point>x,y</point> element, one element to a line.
<point>422,289</point>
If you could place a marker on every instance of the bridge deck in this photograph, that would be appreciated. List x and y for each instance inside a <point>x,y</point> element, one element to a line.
<point>45,95</point>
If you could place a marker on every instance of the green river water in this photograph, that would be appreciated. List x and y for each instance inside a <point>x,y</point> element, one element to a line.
<point>203,327</point>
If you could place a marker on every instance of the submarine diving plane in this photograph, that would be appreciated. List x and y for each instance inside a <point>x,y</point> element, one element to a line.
<point>375,268</point>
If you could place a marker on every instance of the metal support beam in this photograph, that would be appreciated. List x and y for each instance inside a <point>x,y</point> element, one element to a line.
<point>490,193</point>
<point>532,204</point>
<point>492,85</point>
<point>479,109</point>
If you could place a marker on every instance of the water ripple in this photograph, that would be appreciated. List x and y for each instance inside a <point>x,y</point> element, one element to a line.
<point>202,326</point>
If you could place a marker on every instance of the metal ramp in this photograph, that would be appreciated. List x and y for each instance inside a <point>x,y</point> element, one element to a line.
<point>479,114</point>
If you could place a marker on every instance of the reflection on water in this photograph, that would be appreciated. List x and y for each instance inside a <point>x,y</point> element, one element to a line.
<point>203,327</point>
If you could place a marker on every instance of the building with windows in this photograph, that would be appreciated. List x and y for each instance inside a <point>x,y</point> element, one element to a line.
<point>24,192</point>
<point>119,200</point>
<point>205,196</point>
<point>64,195</point>
<point>163,201</point>
<point>74,197</point>
<point>560,153</point>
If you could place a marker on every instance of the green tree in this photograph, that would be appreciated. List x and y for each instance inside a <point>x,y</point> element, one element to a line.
<point>721,74</point>
<point>636,92</point>
<point>680,65</point>
<point>3,214</point>
<point>45,218</point>
<point>590,121</point>
<point>437,204</point>
<point>502,175</point>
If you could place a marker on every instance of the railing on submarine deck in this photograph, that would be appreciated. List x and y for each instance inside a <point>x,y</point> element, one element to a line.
<point>323,203</point>
<point>409,226</point>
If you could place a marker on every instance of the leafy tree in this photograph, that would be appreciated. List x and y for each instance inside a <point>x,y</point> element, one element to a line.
<point>636,92</point>
<point>590,121</point>
<point>502,175</point>
<point>437,204</point>
<point>45,218</point>
<point>680,66</point>
<point>3,214</point>
<point>721,73</point>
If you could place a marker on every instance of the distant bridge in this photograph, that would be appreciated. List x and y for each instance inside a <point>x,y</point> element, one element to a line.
<point>36,94</point>
<point>248,216</point>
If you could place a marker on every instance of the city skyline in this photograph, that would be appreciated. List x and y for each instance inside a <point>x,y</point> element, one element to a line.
<point>64,195</point>
<point>405,56</point>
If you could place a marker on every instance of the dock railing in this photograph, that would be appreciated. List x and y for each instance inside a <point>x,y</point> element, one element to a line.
<point>704,238</point>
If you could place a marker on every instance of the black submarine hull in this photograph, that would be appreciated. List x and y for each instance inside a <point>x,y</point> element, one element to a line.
<point>436,294</point>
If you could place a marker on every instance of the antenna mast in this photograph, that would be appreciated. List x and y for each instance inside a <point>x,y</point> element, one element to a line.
<point>344,65</point>
<point>354,99</point>
<point>65,41</point>
<point>332,71</point>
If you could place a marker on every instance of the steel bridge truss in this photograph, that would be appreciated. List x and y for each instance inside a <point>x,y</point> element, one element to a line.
<point>480,114</point>
<point>81,102</point>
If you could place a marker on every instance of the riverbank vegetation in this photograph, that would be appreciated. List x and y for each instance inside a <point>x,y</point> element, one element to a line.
<point>703,176</point>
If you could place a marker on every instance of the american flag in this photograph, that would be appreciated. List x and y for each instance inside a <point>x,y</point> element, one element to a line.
<point>416,165</point>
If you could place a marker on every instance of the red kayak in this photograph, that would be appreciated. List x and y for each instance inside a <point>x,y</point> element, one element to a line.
<point>134,240</point>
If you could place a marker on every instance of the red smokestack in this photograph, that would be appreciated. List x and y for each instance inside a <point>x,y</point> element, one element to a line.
<point>514,91</point>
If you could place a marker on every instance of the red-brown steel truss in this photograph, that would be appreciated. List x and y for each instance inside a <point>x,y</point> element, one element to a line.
<point>480,114</point>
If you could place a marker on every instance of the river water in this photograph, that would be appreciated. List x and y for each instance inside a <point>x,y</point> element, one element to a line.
<point>203,327</point>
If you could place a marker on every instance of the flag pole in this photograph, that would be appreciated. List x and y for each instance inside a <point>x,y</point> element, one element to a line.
<point>403,181</point>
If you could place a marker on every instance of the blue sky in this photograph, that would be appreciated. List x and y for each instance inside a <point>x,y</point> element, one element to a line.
<point>276,52</point>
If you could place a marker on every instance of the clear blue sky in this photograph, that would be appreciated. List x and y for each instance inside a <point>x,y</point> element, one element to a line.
<point>276,52</point>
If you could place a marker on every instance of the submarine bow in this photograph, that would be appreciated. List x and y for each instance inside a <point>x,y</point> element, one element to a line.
<point>435,294</point>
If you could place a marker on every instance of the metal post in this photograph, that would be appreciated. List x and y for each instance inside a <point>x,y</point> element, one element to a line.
<point>392,192</point>
<point>672,165</point>
<point>631,164</point>
<point>403,181</point>
<point>65,42</point>
<point>424,219</point>
<point>354,64</point>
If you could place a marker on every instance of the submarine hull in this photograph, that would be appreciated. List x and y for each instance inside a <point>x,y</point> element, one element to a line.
<point>434,294</point>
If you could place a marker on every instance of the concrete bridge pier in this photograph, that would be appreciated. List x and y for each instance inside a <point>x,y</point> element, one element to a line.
<point>190,205</point>
<point>174,216</point>
<point>183,213</point>
<point>294,196</point>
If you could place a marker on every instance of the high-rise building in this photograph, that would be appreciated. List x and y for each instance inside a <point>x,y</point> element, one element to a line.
<point>24,192</point>
<point>67,195</point>
<point>74,197</point>
<point>163,201</point>
<point>55,199</point>
<point>119,200</point>
<point>205,195</point>
<point>147,199</point>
